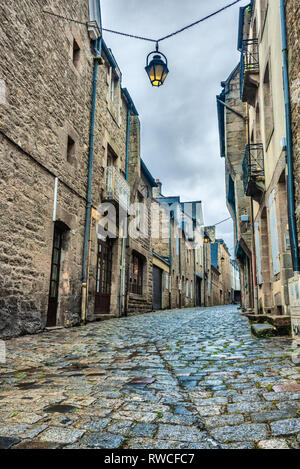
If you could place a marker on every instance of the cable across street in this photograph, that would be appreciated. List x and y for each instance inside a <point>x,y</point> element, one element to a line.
<point>157,41</point>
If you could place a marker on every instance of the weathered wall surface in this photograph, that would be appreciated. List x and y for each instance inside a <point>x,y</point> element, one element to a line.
<point>293,32</point>
<point>45,99</point>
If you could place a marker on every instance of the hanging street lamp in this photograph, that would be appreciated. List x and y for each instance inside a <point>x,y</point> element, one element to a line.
<point>222,259</point>
<point>157,68</point>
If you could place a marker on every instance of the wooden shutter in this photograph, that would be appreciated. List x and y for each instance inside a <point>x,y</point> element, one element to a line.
<point>274,234</point>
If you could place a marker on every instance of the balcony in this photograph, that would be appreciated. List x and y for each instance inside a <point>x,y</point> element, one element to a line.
<point>253,171</point>
<point>249,70</point>
<point>116,187</point>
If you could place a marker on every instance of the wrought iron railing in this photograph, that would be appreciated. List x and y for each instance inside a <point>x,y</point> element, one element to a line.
<point>249,59</point>
<point>253,165</point>
<point>116,187</point>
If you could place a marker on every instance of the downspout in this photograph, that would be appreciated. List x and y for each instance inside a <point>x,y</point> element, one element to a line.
<point>204,278</point>
<point>180,273</point>
<point>97,49</point>
<point>289,151</point>
<point>253,263</point>
<point>170,262</point>
<point>123,262</point>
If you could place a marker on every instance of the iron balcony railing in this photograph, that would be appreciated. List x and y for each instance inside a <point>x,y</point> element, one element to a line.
<point>249,59</point>
<point>253,166</point>
<point>116,188</point>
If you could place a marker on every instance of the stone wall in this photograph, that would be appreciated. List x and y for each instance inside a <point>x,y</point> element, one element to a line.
<point>45,108</point>
<point>235,138</point>
<point>46,99</point>
<point>293,33</point>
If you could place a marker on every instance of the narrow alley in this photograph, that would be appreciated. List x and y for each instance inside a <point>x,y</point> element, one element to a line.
<point>193,378</point>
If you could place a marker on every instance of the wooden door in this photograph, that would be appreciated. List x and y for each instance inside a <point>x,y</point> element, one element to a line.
<point>198,292</point>
<point>54,278</point>
<point>103,283</point>
<point>157,288</point>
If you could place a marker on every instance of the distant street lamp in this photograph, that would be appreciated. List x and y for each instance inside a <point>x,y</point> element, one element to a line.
<point>157,68</point>
<point>206,238</point>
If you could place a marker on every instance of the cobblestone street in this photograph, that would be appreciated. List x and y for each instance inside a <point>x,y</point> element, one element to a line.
<point>192,378</point>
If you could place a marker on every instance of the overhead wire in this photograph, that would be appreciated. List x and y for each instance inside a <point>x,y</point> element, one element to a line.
<point>157,41</point>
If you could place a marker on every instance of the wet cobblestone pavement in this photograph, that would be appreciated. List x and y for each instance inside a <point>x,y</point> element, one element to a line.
<point>189,379</point>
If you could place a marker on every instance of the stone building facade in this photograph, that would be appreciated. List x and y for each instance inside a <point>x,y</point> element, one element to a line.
<point>232,131</point>
<point>293,44</point>
<point>291,13</point>
<point>139,252</point>
<point>65,120</point>
<point>44,142</point>
<point>220,273</point>
<point>180,246</point>
<point>264,160</point>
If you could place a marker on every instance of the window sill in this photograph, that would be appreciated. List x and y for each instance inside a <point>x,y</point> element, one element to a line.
<point>136,296</point>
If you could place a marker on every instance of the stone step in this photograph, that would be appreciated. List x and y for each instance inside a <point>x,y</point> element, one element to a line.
<point>263,330</point>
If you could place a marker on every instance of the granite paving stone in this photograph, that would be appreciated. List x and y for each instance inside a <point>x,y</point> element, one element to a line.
<point>176,379</point>
<point>273,444</point>
<point>102,440</point>
<point>245,432</point>
<point>285,427</point>
<point>61,435</point>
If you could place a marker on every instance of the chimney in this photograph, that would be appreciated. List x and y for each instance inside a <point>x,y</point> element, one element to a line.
<point>211,231</point>
<point>157,190</point>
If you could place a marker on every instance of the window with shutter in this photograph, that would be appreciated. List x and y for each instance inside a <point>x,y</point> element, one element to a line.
<point>258,253</point>
<point>274,234</point>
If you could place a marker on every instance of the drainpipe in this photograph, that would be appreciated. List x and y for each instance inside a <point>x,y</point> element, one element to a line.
<point>180,273</point>
<point>170,262</point>
<point>204,279</point>
<point>97,49</point>
<point>289,151</point>
<point>253,263</point>
<point>123,262</point>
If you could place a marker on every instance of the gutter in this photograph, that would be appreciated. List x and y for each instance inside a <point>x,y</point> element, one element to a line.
<point>124,242</point>
<point>231,109</point>
<point>97,50</point>
<point>289,151</point>
<point>131,108</point>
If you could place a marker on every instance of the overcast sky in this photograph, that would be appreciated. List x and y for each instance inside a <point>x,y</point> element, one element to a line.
<point>179,128</point>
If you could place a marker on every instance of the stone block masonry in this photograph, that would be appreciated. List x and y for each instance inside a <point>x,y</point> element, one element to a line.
<point>46,82</point>
<point>46,106</point>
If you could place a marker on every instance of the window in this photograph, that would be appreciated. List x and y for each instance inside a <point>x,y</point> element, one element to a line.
<point>113,87</point>
<point>111,157</point>
<point>139,209</point>
<point>257,125</point>
<point>167,282</point>
<point>70,150</point>
<point>76,54</point>
<point>191,289</point>
<point>177,246</point>
<point>263,14</point>
<point>136,274</point>
<point>187,288</point>
<point>268,107</point>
